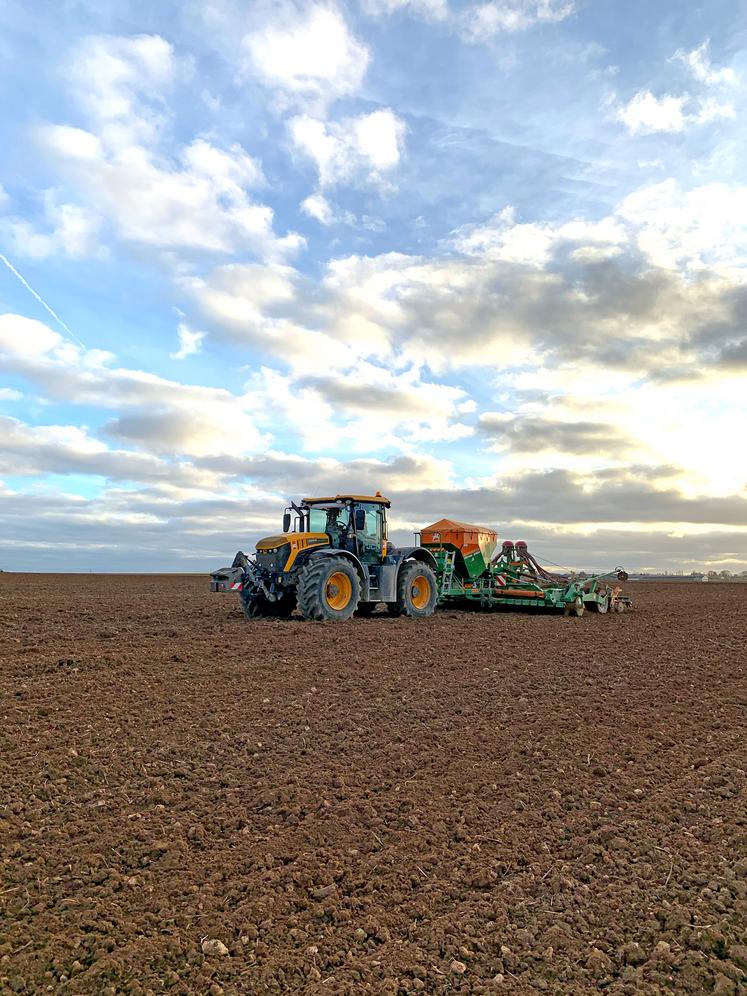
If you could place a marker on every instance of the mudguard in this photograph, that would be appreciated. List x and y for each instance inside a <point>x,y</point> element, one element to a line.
<point>418,553</point>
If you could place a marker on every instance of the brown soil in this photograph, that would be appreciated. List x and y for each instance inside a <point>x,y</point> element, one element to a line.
<point>467,804</point>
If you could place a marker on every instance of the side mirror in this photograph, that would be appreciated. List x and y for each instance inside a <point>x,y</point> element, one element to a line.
<point>360,520</point>
<point>286,522</point>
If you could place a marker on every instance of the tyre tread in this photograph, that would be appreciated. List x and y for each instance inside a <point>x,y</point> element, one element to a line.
<point>309,591</point>
<point>403,606</point>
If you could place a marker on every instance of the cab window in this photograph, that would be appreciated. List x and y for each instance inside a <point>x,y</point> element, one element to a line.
<point>372,522</point>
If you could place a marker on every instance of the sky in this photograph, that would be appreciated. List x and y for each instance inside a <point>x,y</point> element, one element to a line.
<point>489,258</point>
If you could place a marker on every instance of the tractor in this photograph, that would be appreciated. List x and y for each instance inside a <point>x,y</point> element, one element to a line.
<point>332,560</point>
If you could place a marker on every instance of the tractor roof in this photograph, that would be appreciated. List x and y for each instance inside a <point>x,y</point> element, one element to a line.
<point>377,499</point>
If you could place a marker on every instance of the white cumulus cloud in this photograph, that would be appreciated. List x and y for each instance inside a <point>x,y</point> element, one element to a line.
<point>119,80</point>
<point>364,147</point>
<point>190,342</point>
<point>698,61</point>
<point>645,114</point>
<point>310,55</point>
<point>129,182</point>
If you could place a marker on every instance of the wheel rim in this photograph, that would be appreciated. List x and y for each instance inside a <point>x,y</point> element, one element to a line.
<point>420,592</point>
<point>338,590</point>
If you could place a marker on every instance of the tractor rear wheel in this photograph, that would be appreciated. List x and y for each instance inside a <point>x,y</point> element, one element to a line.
<point>417,593</point>
<point>328,588</point>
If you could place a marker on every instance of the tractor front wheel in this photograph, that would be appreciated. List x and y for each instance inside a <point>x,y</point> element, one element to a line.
<point>417,593</point>
<point>328,588</point>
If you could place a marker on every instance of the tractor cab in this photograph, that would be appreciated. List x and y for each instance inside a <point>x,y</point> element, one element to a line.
<point>356,523</point>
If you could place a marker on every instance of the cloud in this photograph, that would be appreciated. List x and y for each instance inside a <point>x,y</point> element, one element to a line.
<point>155,528</point>
<point>71,231</point>
<point>318,207</point>
<point>620,496</point>
<point>436,10</point>
<point>701,229</point>
<point>172,430</point>
<point>255,304</point>
<point>130,74</point>
<point>390,410</point>
<point>190,342</point>
<point>698,62</point>
<point>198,201</point>
<point>535,434</point>
<point>307,55</point>
<point>485,20</point>
<point>641,311</point>
<point>635,291</point>
<point>70,449</point>
<point>367,146</point>
<point>197,197</point>
<point>159,415</point>
<point>478,22</point>
<point>295,475</point>
<point>174,420</point>
<point>646,114</point>
<point>711,109</point>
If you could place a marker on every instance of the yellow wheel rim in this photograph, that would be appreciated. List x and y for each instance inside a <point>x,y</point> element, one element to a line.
<point>338,590</point>
<point>421,592</point>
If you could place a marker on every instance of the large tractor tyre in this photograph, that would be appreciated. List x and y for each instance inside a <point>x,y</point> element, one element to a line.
<point>328,588</point>
<point>417,592</point>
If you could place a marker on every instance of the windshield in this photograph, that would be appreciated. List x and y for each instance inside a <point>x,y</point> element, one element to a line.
<point>332,519</point>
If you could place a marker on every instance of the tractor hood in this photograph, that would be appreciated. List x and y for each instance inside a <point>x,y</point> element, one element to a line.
<point>272,542</point>
<point>302,540</point>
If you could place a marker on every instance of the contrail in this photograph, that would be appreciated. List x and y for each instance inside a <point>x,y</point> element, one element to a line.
<point>41,301</point>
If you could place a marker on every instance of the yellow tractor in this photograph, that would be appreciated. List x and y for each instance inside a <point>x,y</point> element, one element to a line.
<point>333,560</point>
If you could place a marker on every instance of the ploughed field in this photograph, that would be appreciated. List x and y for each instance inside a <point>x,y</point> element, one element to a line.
<point>472,803</point>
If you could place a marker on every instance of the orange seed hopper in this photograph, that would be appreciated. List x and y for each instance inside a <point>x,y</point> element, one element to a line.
<point>474,545</point>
